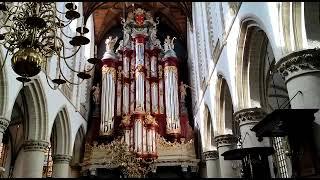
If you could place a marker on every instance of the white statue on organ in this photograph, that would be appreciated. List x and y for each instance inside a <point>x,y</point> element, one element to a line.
<point>110,44</point>
<point>169,43</point>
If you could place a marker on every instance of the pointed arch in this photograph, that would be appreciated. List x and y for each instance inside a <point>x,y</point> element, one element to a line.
<point>209,142</point>
<point>36,125</point>
<point>3,87</point>
<point>224,108</point>
<point>61,133</point>
<point>78,147</point>
<point>256,86</point>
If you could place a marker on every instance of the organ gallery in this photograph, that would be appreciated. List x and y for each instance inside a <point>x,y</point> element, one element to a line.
<point>139,105</point>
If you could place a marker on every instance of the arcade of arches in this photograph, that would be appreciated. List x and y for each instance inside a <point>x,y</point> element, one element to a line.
<point>179,86</point>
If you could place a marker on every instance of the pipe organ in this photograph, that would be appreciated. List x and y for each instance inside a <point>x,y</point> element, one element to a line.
<point>140,87</point>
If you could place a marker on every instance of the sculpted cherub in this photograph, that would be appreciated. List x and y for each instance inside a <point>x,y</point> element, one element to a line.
<point>110,43</point>
<point>169,43</point>
<point>96,93</point>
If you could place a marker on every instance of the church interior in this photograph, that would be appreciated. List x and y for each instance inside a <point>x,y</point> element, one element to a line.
<point>159,89</point>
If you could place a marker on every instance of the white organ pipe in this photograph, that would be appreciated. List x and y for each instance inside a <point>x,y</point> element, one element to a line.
<point>126,98</point>
<point>148,96</point>
<point>144,132</point>
<point>132,97</point>
<point>154,66</point>
<point>154,97</point>
<point>136,136</point>
<point>154,141</point>
<point>126,66</point>
<point>103,103</point>
<point>108,99</point>
<point>161,104</point>
<point>119,98</point>
<point>172,100</point>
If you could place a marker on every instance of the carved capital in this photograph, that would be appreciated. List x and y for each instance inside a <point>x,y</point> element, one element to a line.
<point>210,155</point>
<point>61,159</point>
<point>225,140</point>
<point>299,62</point>
<point>250,115</point>
<point>35,145</point>
<point>4,123</point>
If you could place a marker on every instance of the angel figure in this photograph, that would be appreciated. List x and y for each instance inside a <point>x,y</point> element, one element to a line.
<point>169,43</point>
<point>96,93</point>
<point>183,90</point>
<point>110,43</point>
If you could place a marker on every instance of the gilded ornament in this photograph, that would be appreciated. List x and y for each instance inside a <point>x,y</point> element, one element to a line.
<point>114,155</point>
<point>126,120</point>
<point>150,120</point>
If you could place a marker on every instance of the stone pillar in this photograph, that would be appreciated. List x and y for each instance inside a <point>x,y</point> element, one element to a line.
<point>33,158</point>
<point>248,118</point>
<point>4,123</point>
<point>301,71</point>
<point>225,143</point>
<point>212,163</point>
<point>60,168</point>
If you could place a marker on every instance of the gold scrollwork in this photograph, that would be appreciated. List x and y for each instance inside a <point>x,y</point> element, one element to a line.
<point>109,70</point>
<point>139,67</point>
<point>126,120</point>
<point>114,155</point>
<point>150,119</point>
<point>170,69</point>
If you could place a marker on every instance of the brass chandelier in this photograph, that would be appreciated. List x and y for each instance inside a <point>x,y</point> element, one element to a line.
<point>33,32</point>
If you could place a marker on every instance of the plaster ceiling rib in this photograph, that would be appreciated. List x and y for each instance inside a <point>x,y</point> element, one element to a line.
<point>187,9</point>
<point>107,24</point>
<point>90,8</point>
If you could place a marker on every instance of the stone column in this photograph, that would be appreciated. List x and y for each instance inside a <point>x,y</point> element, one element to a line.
<point>33,158</point>
<point>225,143</point>
<point>247,119</point>
<point>4,123</point>
<point>60,168</point>
<point>301,71</point>
<point>212,163</point>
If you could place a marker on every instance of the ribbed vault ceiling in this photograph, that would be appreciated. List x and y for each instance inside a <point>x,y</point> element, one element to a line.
<point>107,15</point>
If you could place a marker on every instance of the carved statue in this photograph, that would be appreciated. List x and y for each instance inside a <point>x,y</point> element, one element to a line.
<point>153,35</point>
<point>169,43</point>
<point>120,46</point>
<point>96,93</point>
<point>126,38</point>
<point>110,43</point>
<point>183,90</point>
<point>130,16</point>
<point>157,44</point>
